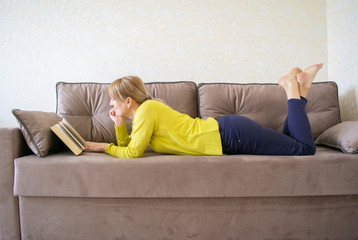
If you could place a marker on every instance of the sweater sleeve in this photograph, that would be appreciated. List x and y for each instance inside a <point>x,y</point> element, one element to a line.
<point>122,135</point>
<point>134,146</point>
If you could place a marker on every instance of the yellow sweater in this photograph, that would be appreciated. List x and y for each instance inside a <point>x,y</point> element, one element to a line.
<point>166,131</point>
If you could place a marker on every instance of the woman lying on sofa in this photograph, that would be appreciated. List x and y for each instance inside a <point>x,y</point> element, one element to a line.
<point>168,131</point>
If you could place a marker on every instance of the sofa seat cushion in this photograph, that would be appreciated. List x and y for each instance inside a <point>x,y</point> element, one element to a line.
<point>328,172</point>
<point>267,103</point>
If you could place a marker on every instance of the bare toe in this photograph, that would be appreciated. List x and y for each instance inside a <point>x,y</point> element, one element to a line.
<point>294,71</point>
<point>290,77</point>
<point>306,77</point>
<point>314,68</point>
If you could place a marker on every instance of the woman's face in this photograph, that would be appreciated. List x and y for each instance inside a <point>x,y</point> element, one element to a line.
<point>120,106</point>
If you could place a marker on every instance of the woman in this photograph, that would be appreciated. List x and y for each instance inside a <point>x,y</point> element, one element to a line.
<point>168,131</point>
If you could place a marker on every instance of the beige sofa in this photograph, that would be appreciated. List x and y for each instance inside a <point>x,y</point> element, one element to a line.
<point>96,196</point>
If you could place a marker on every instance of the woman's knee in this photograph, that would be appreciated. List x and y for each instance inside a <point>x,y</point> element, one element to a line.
<point>309,150</point>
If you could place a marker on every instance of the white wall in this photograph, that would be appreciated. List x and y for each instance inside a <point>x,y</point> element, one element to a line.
<point>342,25</point>
<point>43,42</point>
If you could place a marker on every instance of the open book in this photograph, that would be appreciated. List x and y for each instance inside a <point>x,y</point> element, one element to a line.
<point>69,136</point>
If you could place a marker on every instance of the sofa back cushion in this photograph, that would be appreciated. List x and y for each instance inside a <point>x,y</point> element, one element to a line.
<point>181,96</point>
<point>267,103</point>
<point>86,105</point>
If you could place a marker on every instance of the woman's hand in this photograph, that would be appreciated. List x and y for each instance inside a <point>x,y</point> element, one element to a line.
<point>118,120</point>
<point>96,147</point>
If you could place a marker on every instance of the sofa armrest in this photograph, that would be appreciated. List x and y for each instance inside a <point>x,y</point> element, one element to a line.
<point>13,146</point>
<point>343,136</point>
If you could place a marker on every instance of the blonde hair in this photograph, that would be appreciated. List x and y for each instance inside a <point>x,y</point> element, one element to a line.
<point>130,86</point>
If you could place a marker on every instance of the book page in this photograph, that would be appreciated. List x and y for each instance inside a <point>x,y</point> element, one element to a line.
<point>72,129</point>
<point>66,138</point>
<point>73,135</point>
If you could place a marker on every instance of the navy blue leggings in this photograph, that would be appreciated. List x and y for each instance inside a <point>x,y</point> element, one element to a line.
<point>241,135</point>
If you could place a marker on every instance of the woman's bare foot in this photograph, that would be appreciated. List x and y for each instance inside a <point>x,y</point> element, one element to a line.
<point>290,84</point>
<point>306,78</point>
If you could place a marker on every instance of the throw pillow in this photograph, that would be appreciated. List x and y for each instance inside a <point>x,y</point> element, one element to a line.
<point>35,127</point>
<point>343,136</point>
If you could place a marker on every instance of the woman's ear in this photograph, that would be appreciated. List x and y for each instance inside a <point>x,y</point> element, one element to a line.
<point>129,102</point>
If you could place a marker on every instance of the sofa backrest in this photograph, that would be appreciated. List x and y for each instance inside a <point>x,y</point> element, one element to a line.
<point>86,105</point>
<point>267,103</point>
